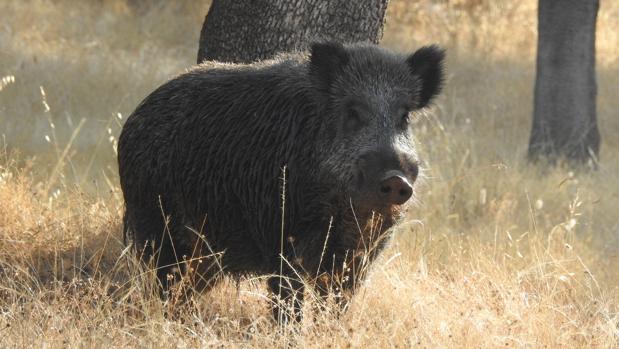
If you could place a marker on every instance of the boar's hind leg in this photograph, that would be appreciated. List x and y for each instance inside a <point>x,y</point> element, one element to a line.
<point>154,243</point>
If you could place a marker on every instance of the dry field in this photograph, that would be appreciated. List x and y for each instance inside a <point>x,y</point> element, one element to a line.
<point>497,253</point>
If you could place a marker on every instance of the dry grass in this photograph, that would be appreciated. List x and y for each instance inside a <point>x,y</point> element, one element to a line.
<point>497,254</point>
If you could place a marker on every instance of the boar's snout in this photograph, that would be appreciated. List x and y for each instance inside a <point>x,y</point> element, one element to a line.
<point>386,177</point>
<point>395,189</point>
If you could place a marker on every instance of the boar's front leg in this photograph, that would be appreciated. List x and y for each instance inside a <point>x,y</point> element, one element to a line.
<point>341,280</point>
<point>287,292</point>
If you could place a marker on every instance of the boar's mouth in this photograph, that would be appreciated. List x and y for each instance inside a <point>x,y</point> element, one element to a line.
<point>365,204</point>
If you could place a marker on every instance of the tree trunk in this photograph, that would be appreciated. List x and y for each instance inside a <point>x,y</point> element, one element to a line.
<point>564,116</point>
<point>247,30</point>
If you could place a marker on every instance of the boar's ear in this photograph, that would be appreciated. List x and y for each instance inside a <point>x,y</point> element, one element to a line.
<point>326,61</point>
<point>427,65</point>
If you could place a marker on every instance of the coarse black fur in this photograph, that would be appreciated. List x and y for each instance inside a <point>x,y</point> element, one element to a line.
<point>206,160</point>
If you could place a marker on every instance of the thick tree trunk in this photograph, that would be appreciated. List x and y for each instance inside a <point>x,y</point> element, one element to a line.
<point>247,30</point>
<point>564,116</point>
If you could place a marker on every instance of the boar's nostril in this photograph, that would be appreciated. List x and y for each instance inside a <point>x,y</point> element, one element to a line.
<point>395,190</point>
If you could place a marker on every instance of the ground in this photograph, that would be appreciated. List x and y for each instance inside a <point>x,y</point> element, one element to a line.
<point>495,252</point>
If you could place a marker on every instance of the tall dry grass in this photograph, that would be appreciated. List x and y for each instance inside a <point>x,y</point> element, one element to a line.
<point>498,253</point>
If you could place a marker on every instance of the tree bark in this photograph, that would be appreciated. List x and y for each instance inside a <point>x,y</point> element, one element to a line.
<point>564,116</point>
<point>243,31</point>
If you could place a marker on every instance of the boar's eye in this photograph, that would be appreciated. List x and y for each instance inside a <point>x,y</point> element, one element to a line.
<point>353,120</point>
<point>405,119</point>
